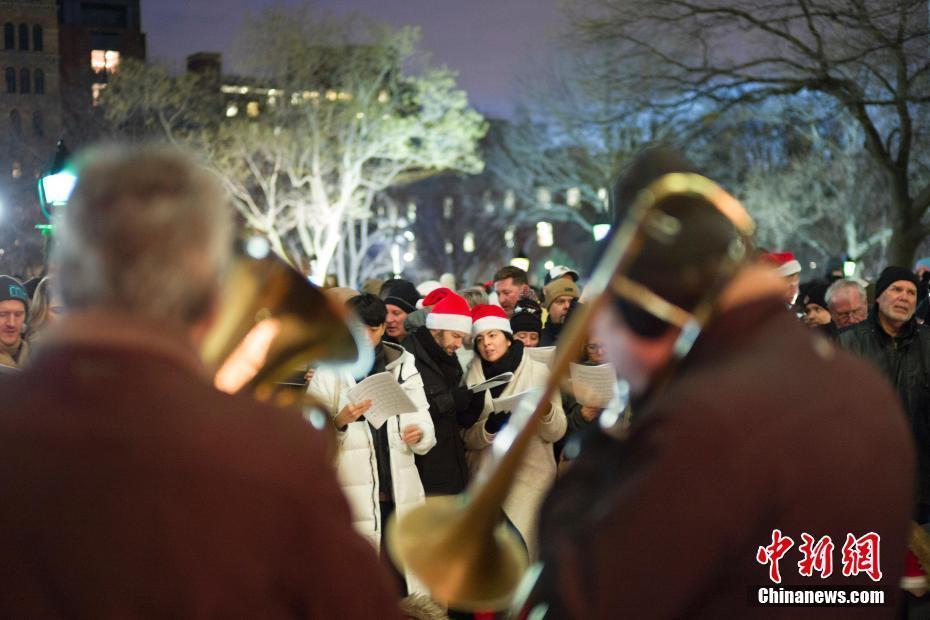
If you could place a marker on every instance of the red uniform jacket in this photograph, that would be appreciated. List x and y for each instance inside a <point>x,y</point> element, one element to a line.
<point>762,428</point>
<point>130,487</point>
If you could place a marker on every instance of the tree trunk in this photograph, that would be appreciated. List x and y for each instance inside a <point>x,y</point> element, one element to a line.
<point>903,247</point>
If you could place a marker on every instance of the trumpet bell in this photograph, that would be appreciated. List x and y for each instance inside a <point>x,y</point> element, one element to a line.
<point>437,543</point>
<point>272,321</point>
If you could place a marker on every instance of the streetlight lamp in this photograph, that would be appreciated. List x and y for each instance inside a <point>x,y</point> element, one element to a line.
<point>55,186</point>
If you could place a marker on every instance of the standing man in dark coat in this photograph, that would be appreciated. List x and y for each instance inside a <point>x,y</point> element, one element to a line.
<point>739,445</point>
<point>892,340</point>
<point>453,407</point>
<point>130,486</point>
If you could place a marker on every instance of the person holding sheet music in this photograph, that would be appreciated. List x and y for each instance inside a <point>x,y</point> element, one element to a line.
<point>497,353</point>
<point>577,415</point>
<point>375,466</point>
<point>452,406</point>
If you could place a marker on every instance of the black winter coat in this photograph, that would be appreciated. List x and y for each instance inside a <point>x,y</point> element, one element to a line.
<point>443,470</point>
<point>904,361</point>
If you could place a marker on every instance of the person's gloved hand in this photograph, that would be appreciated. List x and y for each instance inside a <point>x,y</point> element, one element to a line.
<point>496,421</point>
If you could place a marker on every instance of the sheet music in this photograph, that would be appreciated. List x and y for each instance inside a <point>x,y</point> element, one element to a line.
<point>387,398</point>
<point>501,379</point>
<point>594,386</point>
<point>509,403</point>
<point>541,354</point>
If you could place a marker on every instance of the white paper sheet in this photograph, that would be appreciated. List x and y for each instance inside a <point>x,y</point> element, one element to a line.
<point>501,379</point>
<point>541,354</point>
<point>387,398</point>
<point>509,403</point>
<point>594,386</point>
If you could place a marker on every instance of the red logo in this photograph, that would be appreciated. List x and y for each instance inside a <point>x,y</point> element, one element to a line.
<point>772,554</point>
<point>817,557</point>
<point>861,555</point>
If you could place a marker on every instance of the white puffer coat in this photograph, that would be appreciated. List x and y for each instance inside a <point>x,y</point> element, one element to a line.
<point>356,467</point>
<point>538,471</point>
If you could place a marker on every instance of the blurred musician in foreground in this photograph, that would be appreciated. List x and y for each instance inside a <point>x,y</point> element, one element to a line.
<point>752,441</point>
<point>130,486</point>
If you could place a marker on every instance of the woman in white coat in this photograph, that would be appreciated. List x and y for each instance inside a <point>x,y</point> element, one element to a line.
<point>376,467</point>
<point>496,353</point>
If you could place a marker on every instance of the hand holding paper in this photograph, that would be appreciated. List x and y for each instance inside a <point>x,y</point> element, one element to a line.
<point>594,386</point>
<point>387,398</point>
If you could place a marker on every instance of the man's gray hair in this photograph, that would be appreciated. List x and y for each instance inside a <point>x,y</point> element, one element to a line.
<point>841,285</point>
<point>147,231</point>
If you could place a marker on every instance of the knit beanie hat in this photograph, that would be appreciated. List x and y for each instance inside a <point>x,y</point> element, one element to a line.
<point>452,313</point>
<point>486,317</point>
<point>12,289</point>
<point>785,263</point>
<point>893,274</point>
<point>559,288</point>
<point>401,293</point>
<point>526,317</point>
<point>815,293</point>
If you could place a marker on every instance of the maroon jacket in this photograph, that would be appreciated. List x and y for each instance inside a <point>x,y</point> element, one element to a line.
<point>763,427</point>
<point>130,487</point>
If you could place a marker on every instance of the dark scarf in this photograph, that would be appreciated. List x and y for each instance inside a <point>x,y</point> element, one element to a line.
<point>380,360</point>
<point>448,364</point>
<point>507,363</point>
<point>380,435</point>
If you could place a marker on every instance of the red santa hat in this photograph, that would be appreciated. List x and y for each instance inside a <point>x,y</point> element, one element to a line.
<point>435,296</point>
<point>487,317</point>
<point>451,312</point>
<point>784,262</point>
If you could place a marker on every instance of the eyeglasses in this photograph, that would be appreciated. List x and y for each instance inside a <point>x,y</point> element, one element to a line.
<point>856,313</point>
<point>16,314</point>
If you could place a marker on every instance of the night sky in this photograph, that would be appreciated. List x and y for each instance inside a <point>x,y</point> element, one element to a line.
<point>493,44</point>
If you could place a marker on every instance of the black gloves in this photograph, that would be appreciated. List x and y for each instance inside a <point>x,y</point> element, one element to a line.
<point>496,421</point>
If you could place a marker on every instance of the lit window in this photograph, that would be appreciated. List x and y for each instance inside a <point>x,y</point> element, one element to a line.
<point>96,90</point>
<point>251,109</point>
<point>232,110</point>
<point>104,61</point>
<point>332,95</point>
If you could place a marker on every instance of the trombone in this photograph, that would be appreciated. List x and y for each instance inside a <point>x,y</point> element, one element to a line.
<point>458,546</point>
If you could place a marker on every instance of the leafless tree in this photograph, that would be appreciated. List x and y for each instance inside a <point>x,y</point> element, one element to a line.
<point>341,119</point>
<point>701,59</point>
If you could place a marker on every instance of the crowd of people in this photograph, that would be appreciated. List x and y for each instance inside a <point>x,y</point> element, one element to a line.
<point>132,487</point>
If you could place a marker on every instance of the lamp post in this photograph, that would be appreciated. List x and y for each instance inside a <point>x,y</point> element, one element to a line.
<point>55,186</point>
